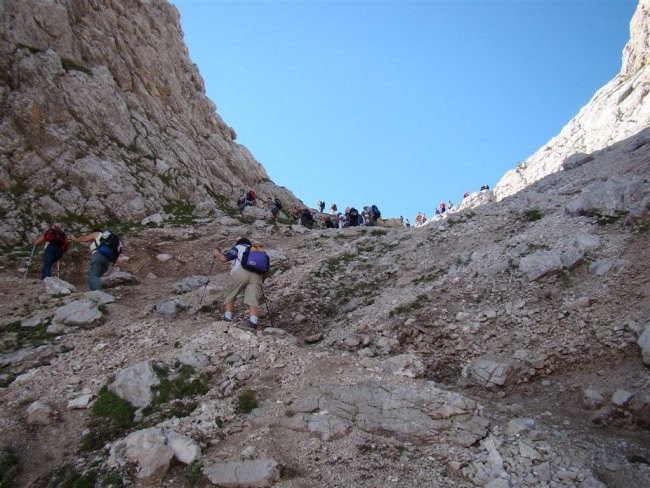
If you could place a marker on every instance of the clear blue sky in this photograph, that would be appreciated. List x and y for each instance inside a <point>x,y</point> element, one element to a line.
<point>400,103</point>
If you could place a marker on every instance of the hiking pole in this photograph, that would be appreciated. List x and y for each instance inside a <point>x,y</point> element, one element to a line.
<point>268,309</point>
<point>29,263</point>
<point>196,314</point>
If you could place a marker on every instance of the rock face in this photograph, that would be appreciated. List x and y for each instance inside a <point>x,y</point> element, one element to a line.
<point>616,112</point>
<point>104,114</point>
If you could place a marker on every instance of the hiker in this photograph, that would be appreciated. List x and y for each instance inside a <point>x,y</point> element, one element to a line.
<point>333,209</point>
<point>374,214</point>
<point>443,206</point>
<point>342,220</point>
<point>465,195</point>
<point>353,216</point>
<point>105,248</point>
<point>306,218</point>
<point>329,222</point>
<point>276,206</point>
<point>247,199</point>
<point>241,279</point>
<point>407,223</point>
<point>321,205</point>
<point>56,244</point>
<point>418,219</point>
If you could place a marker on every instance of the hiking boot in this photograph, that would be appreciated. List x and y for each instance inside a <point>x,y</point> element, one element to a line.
<point>225,319</point>
<point>252,325</point>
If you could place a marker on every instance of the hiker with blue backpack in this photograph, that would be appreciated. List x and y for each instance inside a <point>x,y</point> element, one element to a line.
<point>105,248</point>
<point>249,264</point>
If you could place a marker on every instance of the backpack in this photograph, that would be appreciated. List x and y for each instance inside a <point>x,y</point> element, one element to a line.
<point>354,217</point>
<point>109,245</point>
<point>256,260</point>
<point>251,196</point>
<point>278,203</point>
<point>376,211</point>
<point>56,237</point>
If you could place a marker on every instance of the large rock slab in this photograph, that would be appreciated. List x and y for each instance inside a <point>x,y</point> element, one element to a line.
<point>419,415</point>
<point>80,313</point>
<point>255,474</point>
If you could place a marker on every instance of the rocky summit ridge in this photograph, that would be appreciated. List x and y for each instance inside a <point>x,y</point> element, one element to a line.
<point>504,344</point>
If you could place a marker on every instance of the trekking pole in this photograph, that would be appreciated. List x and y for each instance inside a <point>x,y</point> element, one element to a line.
<point>268,309</point>
<point>29,263</point>
<point>214,258</point>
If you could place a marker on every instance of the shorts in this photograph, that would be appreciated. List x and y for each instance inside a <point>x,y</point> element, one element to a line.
<point>250,282</point>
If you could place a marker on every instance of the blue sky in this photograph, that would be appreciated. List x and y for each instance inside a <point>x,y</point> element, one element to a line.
<point>400,103</point>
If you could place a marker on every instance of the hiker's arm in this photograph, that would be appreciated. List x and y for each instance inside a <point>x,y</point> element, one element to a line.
<point>87,238</point>
<point>220,256</point>
<point>39,240</point>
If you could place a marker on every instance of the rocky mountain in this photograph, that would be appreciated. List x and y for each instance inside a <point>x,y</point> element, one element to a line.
<point>504,344</point>
<point>616,112</point>
<point>104,117</point>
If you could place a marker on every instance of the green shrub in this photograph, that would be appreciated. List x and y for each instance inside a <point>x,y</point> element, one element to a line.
<point>246,402</point>
<point>8,466</point>
<point>533,215</point>
<point>110,416</point>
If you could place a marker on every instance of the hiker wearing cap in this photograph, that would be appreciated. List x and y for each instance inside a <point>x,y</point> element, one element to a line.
<point>56,244</point>
<point>241,279</point>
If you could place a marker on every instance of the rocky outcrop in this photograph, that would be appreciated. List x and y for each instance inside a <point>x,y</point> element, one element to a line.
<point>616,112</point>
<point>104,115</point>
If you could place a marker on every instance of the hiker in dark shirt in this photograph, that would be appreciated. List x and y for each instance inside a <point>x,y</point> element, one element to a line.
<point>56,244</point>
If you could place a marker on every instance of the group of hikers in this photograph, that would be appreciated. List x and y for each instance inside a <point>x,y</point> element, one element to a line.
<point>311,219</point>
<point>105,248</point>
<point>334,219</point>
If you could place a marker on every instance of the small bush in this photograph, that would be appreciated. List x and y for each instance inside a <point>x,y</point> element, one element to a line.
<point>110,416</point>
<point>192,474</point>
<point>8,466</point>
<point>533,215</point>
<point>70,65</point>
<point>67,477</point>
<point>246,402</point>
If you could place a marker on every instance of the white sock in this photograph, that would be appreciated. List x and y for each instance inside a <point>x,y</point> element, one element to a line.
<point>228,315</point>
<point>254,319</point>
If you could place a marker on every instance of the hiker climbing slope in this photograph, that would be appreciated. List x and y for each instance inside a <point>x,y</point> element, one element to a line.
<point>56,244</point>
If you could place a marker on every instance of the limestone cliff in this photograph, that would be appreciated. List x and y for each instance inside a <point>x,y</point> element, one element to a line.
<point>104,116</point>
<point>617,111</point>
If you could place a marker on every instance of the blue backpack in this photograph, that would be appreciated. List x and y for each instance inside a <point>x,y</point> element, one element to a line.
<point>256,260</point>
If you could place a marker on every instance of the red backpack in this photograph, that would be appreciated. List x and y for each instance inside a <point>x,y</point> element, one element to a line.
<point>57,237</point>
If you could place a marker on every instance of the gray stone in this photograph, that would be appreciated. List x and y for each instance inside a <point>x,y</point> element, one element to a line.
<point>196,359</point>
<point>117,278</point>
<point>147,449</point>
<point>408,365</point>
<point>32,322</point>
<point>80,402</point>
<point>56,286</point>
<point>134,384</point>
<point>539,264</point>
<point>255,474</point>
<point>644,344</point>
<point>80,313</point>
<point>170,307</point>
<point>592,399</point>
<point>186,450</point>
<point>327,426</point>
<point>490,373</point>
<point>39,413</point>
<point>189,284</point>
<point>99,297</point>
<point>621,398</point>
